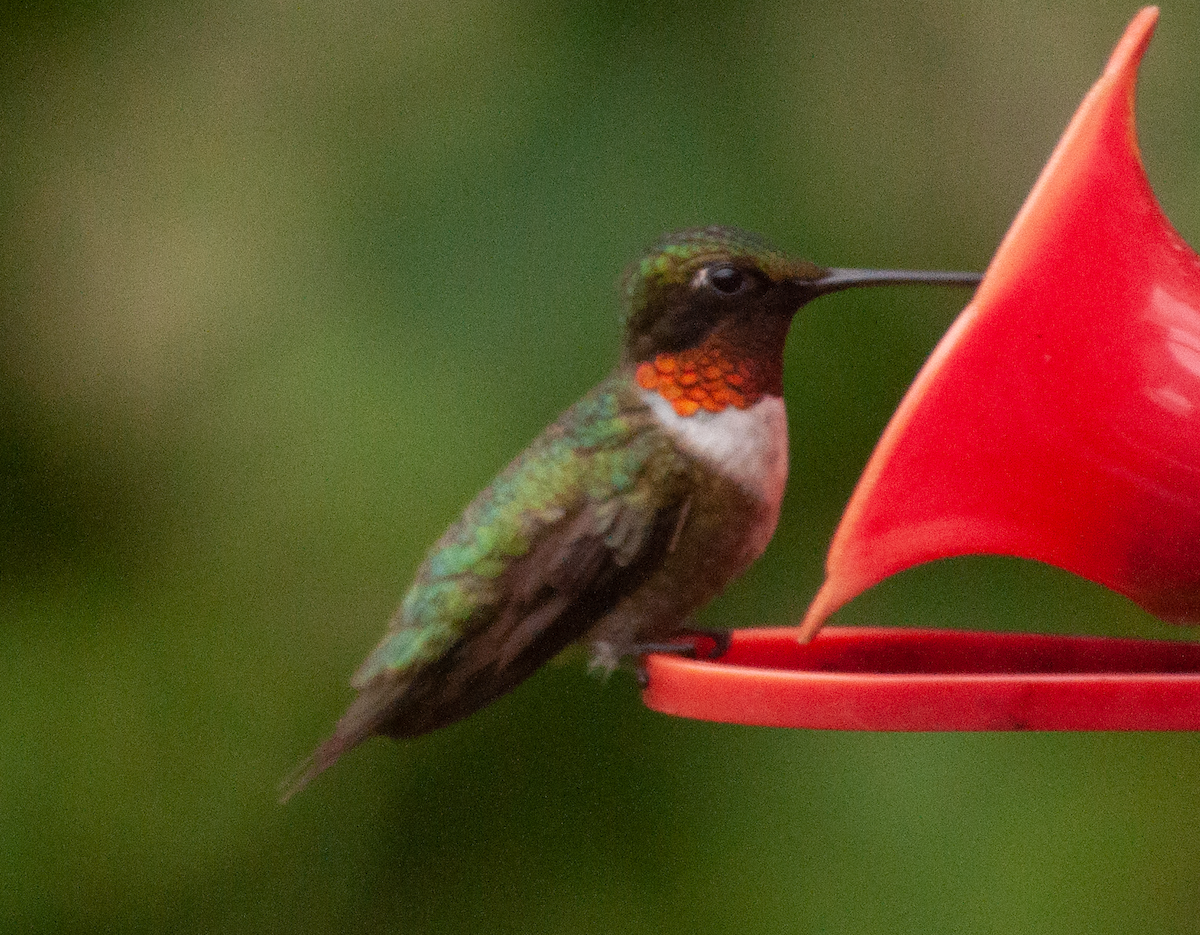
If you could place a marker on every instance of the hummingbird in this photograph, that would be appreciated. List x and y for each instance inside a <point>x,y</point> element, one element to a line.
<point>626,515</point>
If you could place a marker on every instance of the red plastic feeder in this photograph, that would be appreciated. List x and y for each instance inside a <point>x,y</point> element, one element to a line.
<point>1057,420</point>
<point>862,678</point>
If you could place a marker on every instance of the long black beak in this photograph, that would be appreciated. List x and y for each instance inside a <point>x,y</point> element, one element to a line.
<point>835,279</point>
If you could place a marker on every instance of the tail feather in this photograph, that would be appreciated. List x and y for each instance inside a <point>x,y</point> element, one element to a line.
<point>312,766</point>
<point>370,710</point>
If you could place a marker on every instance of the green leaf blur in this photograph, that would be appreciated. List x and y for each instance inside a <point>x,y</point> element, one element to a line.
<point>284,285</point>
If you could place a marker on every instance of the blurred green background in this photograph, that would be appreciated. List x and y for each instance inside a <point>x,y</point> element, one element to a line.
<point>284,285</point>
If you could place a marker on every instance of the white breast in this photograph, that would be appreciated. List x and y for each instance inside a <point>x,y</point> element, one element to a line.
<point>750,446</point>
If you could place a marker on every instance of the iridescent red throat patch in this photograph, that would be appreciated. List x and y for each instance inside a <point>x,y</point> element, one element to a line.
<point>710,377</point>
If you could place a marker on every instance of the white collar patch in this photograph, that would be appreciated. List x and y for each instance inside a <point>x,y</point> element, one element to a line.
<point>750,446</point>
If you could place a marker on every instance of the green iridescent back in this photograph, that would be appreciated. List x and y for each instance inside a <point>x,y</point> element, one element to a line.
<point>591,456</point>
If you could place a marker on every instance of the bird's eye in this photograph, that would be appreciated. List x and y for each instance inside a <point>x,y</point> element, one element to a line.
<point>728,280</point>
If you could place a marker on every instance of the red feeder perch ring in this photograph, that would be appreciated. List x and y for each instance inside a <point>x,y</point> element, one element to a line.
<point>861,678</point>
<point>1058,420</point>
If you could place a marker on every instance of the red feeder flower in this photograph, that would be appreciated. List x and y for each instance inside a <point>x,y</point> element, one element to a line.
<point>1057,420</point>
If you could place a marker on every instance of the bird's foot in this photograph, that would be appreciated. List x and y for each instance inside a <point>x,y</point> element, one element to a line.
<point>720,640</point>
<point>695,648</point>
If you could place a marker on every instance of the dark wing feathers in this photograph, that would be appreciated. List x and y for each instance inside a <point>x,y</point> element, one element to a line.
<point>586,550</point>
<point>576,573</point>
<point>554,595</point>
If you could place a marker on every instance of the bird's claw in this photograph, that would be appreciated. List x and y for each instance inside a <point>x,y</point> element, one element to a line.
<point>721,641</point>
<point>690,650</point>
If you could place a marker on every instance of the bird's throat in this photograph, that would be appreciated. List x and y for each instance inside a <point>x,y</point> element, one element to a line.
<point>712,377</point>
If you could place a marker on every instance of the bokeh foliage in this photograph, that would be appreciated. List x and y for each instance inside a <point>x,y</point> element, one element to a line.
<point>284,285</point>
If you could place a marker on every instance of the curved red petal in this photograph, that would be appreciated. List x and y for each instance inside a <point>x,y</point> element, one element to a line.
<point>1059,418</point>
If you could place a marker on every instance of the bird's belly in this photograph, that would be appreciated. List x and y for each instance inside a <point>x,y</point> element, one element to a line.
<point>725,531</point>
<point>740,475</point>
<point>748,447</point>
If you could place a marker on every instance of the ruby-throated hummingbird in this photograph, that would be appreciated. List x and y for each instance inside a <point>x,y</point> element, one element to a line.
<point>629,513</point>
